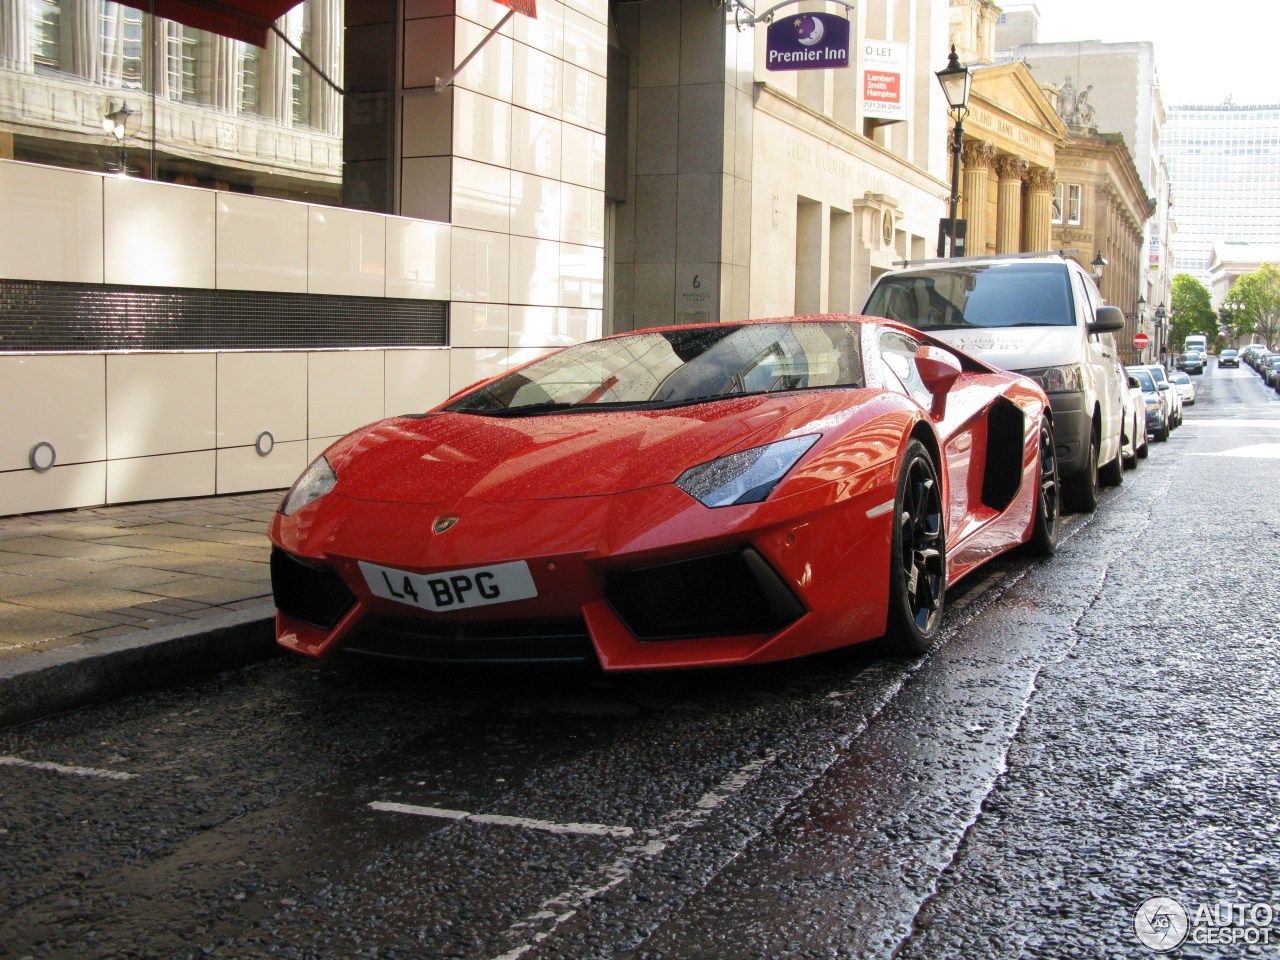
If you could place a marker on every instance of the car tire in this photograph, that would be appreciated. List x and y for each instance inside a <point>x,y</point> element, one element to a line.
<point>917,555</point>
<point>1083,488</point>
<point>1111,474</point>
<point>1144,450</point>
<point>1162,434</point>
<point>1044,527</point>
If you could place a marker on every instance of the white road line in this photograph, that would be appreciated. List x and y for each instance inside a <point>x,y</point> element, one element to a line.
<point>64,768</point>
<point>559,909</point>
<point>1256,451</point>
<point>546,826</point>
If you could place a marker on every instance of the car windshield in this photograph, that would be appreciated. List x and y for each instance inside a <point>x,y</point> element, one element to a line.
<point>670,367</point>
<point>1179,378</point>
<point>976,295</point>
<point>1144,380</point>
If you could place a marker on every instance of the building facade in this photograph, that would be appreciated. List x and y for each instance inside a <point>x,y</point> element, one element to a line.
<point>1112,89</point>
<point>1224,164</point>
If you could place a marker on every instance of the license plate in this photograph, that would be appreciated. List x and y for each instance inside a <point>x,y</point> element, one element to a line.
<point>452,589</point>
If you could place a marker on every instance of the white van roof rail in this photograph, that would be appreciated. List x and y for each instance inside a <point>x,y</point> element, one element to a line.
<point>978,258</point>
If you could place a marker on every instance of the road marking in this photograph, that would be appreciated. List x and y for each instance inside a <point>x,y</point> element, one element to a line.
<point>494,819</point>
<point>64,768</point>
<point>1256,451</point>
<point>559,909</point>
<point>1194,421</point>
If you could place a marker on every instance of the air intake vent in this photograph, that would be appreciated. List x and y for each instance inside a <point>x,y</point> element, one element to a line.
<point>721,595</point>
<point>315,594</point>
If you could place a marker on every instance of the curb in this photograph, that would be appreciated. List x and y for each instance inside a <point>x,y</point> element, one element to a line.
<point>53,681</point>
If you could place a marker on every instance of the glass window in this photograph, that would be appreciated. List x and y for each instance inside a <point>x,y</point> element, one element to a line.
<point>1073,203</point>
<point>46,34</point>
<point>677,367</point>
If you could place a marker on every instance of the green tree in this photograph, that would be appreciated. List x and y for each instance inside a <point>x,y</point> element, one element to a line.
<point>1259,293</point>
<point>1192,309</point>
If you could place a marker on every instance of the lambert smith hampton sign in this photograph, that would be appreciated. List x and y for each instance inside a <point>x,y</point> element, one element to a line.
<point>884,79</point>
<point>808,41</point>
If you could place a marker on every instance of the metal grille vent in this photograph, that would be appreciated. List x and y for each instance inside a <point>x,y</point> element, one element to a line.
<point>36,316</point>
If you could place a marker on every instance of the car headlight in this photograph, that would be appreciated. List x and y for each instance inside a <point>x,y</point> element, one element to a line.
<point>1068,378</point>
<point>745,477</point>
<point>1153,403</point>
<point>317,480</point>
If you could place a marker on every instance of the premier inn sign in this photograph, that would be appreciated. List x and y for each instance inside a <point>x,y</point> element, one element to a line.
<point>808,41</point>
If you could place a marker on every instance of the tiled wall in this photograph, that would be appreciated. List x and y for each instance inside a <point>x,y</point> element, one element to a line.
<point>136,426</point>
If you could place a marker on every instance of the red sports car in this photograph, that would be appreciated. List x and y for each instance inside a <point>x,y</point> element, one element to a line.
<point>674,497</point>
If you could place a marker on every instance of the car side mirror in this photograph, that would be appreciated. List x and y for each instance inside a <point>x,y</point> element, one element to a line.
<point>939,370</point>
<point>1107,320</point>
<point>1165,386</point>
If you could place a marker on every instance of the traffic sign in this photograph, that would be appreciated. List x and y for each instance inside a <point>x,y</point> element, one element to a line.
<point>1141,340</point>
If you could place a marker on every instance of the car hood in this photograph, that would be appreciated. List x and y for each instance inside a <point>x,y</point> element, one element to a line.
<point>446,457</point>
<point>1017,348</point>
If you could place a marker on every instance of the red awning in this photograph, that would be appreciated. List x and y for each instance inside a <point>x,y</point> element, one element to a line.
<point>247,20</point>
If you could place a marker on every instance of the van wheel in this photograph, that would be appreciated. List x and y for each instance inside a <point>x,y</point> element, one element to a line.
<point>1083,488</point>
<point>1112,474</point>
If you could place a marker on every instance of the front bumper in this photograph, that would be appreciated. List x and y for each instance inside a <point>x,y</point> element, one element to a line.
<point>643,581</point>
<point>1073,427</point>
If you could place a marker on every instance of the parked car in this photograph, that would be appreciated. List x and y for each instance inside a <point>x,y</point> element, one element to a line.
<point>1173,398</point>
<point>1192,362</point>
<point>1253,353</point>
<point>1154,401</point>
<point>1041,316</point>
<point>1185,386</point>
<point>715,494</point>
<point>1271,369</point>
<point>1133,441</point>
<point>1229,358</point>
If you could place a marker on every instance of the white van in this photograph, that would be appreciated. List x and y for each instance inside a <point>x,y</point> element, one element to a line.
<point>1039,315</point>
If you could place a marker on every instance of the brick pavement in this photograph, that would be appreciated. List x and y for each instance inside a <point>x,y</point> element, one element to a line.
<point>74,577</point>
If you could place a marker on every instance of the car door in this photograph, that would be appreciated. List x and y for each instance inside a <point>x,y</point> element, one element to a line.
<point>1101,359</point>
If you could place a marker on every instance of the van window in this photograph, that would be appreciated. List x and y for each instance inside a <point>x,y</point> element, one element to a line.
<point>976,295</point>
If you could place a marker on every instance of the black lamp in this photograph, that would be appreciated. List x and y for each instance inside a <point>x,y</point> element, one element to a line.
<point>955,80</point>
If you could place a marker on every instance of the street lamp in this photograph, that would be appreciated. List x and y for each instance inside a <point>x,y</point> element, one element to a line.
<point>1099,261</point>
<point>955,80</point>
<point>116,123</point>
<point>1235,306</point>
<point>1160,329</point>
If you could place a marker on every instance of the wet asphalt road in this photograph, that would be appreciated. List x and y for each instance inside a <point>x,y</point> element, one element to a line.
<point>1096,730</point>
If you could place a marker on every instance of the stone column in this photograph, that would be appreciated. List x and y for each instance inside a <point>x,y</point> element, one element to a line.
<point>15,38</point>
<point>1037,226</point>
<point>1102,227</point>
<point>977,158</point>
<point>1009,170</point>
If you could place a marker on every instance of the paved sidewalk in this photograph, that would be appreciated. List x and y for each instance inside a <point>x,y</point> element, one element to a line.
<point>83,584</point>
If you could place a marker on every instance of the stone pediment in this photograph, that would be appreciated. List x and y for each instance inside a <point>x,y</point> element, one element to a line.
<point>1008,109</point>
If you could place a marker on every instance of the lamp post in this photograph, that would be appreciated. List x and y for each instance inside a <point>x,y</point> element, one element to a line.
<point>1160,316</point>
<point>116,123</point>
<point>955,80</point>
<point>1235,306</point>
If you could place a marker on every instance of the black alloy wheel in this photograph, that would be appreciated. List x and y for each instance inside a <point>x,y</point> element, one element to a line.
<point>917,555</point>
<point>1044,529</point>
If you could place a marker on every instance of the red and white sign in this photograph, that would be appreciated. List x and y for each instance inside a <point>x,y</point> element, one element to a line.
<point>884,79</point>
<point>528,7</point>
<point>1141,340</point>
